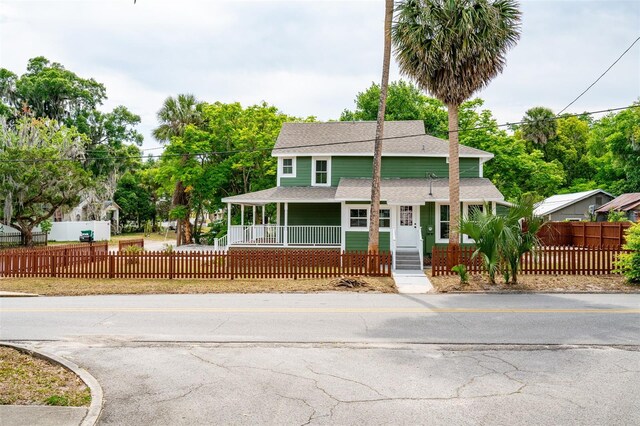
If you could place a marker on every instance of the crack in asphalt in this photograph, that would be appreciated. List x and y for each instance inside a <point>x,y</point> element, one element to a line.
<point>189,392</point>
<point>347,380</point>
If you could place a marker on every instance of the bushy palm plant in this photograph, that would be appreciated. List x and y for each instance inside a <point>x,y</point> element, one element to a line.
<point>501,241</point>
<point>520,236</point>
<point>487,230</point>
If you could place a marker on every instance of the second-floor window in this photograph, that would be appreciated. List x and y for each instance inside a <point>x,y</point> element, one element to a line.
<point>321,171</point>
<point>287,166</point>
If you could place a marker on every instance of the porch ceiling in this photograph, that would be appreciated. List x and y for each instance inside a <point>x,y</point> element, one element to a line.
<point>416,191</point>
<point>289,194</point>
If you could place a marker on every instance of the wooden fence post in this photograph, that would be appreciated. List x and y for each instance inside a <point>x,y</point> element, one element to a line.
<point>53,264</point>
<point>112,264</point>
<point>620,234</point>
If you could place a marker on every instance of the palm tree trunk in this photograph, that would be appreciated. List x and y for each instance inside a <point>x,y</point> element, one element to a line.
<point>374,215</point>
<point>454,177</point>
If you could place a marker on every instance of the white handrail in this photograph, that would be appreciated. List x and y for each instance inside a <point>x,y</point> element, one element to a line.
<point>296,235</point>
<point>420,247</point>
<point>393,247</point>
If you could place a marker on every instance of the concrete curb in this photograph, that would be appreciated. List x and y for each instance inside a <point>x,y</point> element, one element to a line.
<point>97,397</point>
<point>17,294</point>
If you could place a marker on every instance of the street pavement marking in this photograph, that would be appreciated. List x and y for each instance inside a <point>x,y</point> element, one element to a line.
<point>313,310</point>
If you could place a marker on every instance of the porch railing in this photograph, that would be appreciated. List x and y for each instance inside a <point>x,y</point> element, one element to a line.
<point>278,235</point>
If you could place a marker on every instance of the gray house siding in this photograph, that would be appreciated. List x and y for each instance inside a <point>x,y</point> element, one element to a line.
<point>580,209</point>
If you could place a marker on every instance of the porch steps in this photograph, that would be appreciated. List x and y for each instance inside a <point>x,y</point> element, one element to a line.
<point>408,260</point>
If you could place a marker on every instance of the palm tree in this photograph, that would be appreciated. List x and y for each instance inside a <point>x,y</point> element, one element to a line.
<point>539,125</point>
<point>374,216</point>
<point>174,116</point>
<point>453,48</point>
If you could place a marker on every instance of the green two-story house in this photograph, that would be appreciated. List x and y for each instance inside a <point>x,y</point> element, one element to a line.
<point>323,189</point>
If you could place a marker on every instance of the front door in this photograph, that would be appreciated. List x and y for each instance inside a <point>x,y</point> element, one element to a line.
<point>407,226</point>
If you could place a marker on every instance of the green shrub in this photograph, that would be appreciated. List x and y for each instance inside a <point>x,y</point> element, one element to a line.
<point>616,216</point>
<point>628,264</point>
<point>461,270</point>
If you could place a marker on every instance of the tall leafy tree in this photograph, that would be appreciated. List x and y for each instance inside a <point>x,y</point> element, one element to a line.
<point>404,102</point>
<point>50,91</point>
<point>40,171</point>
<point>539,125</point>
<point>174,117</point>
<point>374,224</point>
<point>453,49</point>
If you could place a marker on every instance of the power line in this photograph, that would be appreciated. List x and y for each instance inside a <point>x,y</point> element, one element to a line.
<point>468,129</point>
<point>601,75</point>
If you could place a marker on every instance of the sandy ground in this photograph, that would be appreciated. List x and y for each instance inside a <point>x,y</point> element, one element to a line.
<point>537,283</point>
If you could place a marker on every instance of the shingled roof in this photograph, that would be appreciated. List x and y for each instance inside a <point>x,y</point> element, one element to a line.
<point>625,202</point>
<point>357,138</point>
<point>393,191</point>
<point>417,191</point>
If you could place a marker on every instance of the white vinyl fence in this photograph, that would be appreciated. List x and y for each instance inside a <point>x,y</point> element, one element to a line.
<point>70,231</point>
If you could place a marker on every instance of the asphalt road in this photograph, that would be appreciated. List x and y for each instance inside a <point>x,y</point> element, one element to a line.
<point>347,358</point>
<point>334,317</point>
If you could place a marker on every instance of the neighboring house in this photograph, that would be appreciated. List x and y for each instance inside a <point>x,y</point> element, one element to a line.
<point>90,210</point>
<point>628,203</point>
<point>324,189</point>
<point>572,207</point>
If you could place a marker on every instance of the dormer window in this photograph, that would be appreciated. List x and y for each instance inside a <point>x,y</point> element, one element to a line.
<point>321,171</point>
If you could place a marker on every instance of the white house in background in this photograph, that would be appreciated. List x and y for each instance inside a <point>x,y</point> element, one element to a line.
<point>91,210</point>
<point>573,207</point>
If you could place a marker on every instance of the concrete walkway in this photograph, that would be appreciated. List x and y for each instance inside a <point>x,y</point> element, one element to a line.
<point>412,282</point>
<point>41,415</point>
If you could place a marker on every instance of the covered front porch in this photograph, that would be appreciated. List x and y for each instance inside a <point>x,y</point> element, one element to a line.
<point>285,217</point>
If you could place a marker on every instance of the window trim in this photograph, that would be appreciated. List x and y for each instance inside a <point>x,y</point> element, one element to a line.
<point>367,208</point>
<point>313,171</point>
<point>281,173</point>
<point>465,214</point>
<point>438,221</point>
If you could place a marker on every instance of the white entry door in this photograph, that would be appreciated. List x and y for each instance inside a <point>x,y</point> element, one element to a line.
<point>407,226</point>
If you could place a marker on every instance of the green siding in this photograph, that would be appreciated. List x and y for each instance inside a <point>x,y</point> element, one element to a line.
<point>358,240</point>
<point>502,210</point>
<point>313,214</point>
<point>400,167</point>
<point>303,174</point>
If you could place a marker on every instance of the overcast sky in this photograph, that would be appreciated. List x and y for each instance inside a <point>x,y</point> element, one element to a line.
<point>306,57</point>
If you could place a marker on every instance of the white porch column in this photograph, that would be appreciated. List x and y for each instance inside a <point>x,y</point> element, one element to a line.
<point>263,206</point>
<point>253,215</point>
<point>228,219</point>
<point>242,214</point>
<point>278,214</point>
<point>286,224</point>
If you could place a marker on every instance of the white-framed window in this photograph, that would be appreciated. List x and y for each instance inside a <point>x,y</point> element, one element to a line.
<point>469,209</point>
<point>359,217</point>
<point>321,173</point>
<point>442,223</point>
<point>385,218</point>
<point>289,167</point>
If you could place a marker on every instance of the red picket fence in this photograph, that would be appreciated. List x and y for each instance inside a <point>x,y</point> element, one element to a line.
<point>39,259</point>
<point>123,244</point>
<point>543,260</point>
<point>207,265</point>
<point>584,234</point>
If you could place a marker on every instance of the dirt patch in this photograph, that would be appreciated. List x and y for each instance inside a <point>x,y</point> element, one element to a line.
<point>26,380</point>
<point>84,287</point>
<point>538,284</point>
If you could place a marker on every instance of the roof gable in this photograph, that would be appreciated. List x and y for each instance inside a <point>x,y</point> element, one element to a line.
<point>401,138</point>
